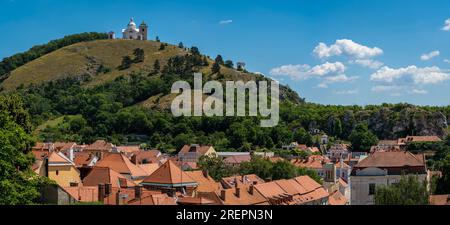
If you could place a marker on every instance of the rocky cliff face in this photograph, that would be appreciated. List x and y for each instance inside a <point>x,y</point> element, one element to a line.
<point>389,124</point>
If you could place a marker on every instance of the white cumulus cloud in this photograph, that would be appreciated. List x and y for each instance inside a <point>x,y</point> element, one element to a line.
<point>346,47</point>
<point>299,72</point>
<point>446,25</point>
<point>342,78</point>
<point>428,56</point>
<point>369,63</point>
<point>414,74</point>
<point>346,92</point>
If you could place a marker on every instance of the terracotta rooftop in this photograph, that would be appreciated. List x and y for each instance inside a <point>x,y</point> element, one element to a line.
<point>237,159</point>
<point>195,201</point>
<point>245,197</point>
<point>246,180</point>
<point>195,148</point>
<point>313,162</point>
<point>336,198</point>
<point>129,149</point>
<point>100,145</point>
<point>440,199</point>
<point>58,159</point>
<point>300,190</point>
<point>120,163</point>
<point>154,199</point>
<point>393,162</point>
<point>170,175</point>
<point>205,182</point>
<point>105,175</point>
<point>423,139</point>
<point>143,157</point>
<point>82,158</point>
<point>392,159</point>
<point>64,146</point>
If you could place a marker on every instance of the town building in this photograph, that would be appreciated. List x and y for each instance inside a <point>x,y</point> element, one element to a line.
<point>62,170</point>
<point>192,153</point>
<point>383,168</point>
<point>121,164</point>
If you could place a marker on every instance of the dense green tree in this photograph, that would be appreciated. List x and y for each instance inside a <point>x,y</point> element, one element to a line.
<point>162,47</point>
<point>215,68</point>
<point>156,66</point>
<point>229,64</point>
<point>362,139</point>
<point>216,167</point>
<point>409,191</point>
<point>301,136</point>
<point>18,184</point>
<point>283,170</point>
<point>139,55</point>
<point>219,60</point>
<point>126,63</point>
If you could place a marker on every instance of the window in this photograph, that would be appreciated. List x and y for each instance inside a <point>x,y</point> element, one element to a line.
<point>372,188</point>
<point>57,172</point>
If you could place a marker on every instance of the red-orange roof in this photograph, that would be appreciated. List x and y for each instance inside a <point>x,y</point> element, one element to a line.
<point>440,199</point>
<point>121,164</point>
<point>336,198</point>
<point>195,148</point>
<point>171,175</point>
<point>99,145</point>
<point>105,175</point>
<point>205,182</point>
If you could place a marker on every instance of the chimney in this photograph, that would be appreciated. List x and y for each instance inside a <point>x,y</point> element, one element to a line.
<point>101,193</point>
<point>244,179</point>
<point>108,189</point>
<point>252,189</point>
<point>223,195</point>
<point>238,192</point>
<point>205,173</point>
<point>236,182</point>
<point>71,155</point>
<point>137,192</point>
<point>118,198</point>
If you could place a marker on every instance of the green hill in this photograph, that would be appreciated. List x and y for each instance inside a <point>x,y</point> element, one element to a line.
<point>101,60</point>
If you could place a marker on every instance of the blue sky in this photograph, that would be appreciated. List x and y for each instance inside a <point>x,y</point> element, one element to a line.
<point>331,52</point>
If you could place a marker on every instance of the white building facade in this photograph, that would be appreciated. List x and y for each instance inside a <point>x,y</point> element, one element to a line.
<point>132,32</point>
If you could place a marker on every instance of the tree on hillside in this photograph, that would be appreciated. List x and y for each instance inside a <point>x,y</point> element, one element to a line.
<point>362,138</point>
<point>443,183</point>
<point>181,45</point>
<point>260,166</point>
<point>409,191</point>
<point>215,68</point>
<point>156,67</point>
<point>157,39</point>
<point>229,64</point>
<point>162,47</point>
<point>126,63</point>
<point>219,60</point>
<point>301,136</point>
<point>205,61</point>
<point>139,55</point>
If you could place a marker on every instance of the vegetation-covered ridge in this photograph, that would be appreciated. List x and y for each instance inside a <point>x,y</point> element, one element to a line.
<point>11,63</point>
<point>120,90</point>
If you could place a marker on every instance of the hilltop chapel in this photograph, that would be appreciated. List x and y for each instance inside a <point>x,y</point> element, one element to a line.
<point>132,32</point>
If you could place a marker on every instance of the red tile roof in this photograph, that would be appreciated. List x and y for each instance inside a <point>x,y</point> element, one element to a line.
<point>336,198</point>
<point>121,164</point>
<point>195,148</point>
<point>171,175</point>
<point>440,199</point>
<point>205,182</point>
<point>82,158</point>
<point>246,180</point>
<point>105,175</point>
<point>99,145</point>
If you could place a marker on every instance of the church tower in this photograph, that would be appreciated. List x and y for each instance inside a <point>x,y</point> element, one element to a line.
<point>143,30</point>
